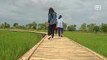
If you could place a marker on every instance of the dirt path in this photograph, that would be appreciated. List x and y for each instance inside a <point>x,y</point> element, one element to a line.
<point>61,49</point>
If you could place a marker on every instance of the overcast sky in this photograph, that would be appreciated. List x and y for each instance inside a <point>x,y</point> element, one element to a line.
<point>73,11</point>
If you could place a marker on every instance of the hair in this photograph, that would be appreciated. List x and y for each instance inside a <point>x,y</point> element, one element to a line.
<point>51,11</point>
<point>60,16</point>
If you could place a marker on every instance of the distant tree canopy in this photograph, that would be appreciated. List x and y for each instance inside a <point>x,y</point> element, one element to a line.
<point>71,28</point>
<point>90,27</point>
<point>83,27</point>
<point>96,28</point>
<point>104,27</point>
<point>93,27</point>
<point>44,26</point>
<point>5,25</point>
<point>15,25</point>
<point>65,26</point>
<point>32,25</point>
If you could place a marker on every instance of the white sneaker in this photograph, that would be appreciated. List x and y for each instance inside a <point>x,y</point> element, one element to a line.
<point>49,37</point>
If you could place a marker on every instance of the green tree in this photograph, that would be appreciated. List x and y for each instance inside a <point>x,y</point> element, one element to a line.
<point>32,25</point>
<point>90,27</point>
<point>104,27</point>
<point>83,27</point>
<point>2,25</point>
<point>42,26</point>
<point>28,26</point>
<point>5,25</point>
<point>65,26</point>
<point>21,27</point>
<point>71,28</point>
<point>15,25</point>
<point>96,28</point>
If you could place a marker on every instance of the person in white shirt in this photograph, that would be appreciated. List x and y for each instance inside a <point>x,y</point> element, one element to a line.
<point>60,24</point>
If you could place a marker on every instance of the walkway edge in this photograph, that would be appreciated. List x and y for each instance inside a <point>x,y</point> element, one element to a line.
<point>98,55</point>
<point>29,53</point>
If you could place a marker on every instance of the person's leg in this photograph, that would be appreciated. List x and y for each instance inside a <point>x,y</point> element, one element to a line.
<point>61,32</point>
<point>55,29</point>
<point>58,31</point>
<point>49,32</point>
<point>53,26</point>
<point>51,29</point>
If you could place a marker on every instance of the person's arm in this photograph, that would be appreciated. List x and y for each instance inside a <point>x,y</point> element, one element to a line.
<point>62,21</point>
<point>48,18</point>
<point>55,16</point>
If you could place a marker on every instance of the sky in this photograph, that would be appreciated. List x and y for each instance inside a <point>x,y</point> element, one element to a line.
<point>73,11</point>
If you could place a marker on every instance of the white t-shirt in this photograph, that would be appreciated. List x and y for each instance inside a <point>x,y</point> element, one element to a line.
<point>60,23</point>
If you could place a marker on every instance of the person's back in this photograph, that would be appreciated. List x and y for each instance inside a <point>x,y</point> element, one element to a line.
<point>51,22</point>
<point>60,25</point>
<point>52,18</point>
<point>60,22</point>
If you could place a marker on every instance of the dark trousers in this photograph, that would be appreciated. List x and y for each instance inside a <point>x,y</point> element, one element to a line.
<point>51,29</point>
<point>60,31</point>
<point>56,29</point>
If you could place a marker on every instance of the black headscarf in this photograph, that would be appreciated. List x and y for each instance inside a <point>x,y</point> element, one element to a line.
<point>51,11</point>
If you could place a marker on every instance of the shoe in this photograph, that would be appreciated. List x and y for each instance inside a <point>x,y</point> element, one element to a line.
<point>61,36</point>
<point>49,38</point>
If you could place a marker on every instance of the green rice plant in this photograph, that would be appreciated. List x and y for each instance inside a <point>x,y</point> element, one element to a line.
<point>94,41</point>
<point>14,44</point>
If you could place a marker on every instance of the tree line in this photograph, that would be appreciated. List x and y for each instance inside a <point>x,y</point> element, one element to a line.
<point>93,27</point>
<point>44,26</point>
<point>6,25</point>
<point>33,25</point>
<point>89,27</point>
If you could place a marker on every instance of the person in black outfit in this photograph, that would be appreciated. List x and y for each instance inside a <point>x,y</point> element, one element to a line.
<point>51,22</point>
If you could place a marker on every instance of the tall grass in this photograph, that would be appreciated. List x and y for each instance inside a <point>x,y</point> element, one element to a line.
<point>15,44</point>
<point>95,41</point>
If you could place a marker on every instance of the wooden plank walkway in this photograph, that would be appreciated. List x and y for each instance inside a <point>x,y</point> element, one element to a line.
<point>60,49</point>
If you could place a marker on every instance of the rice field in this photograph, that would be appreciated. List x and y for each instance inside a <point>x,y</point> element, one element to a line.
<point>15,44</point>
<point>94,41</point>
